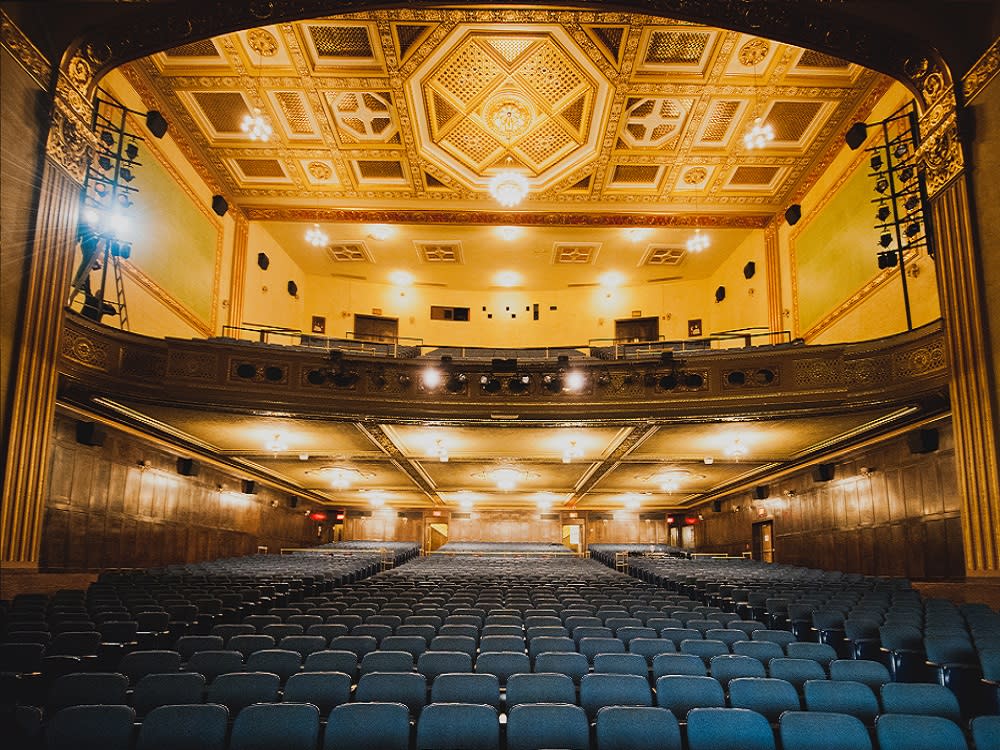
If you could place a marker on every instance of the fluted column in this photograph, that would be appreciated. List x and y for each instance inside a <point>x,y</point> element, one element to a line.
<point>971,386</point>
<point>772,268</point>
<point>27,465</point>
<point>238,272</point>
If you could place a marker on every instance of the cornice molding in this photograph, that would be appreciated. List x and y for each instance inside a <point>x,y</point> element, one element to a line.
<point>983,71</point>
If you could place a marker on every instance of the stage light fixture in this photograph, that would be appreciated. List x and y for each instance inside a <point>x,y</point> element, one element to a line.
<point>876,163</point>
<point>518,383</point>
<point>131,151</point>
<point>883,213</point>
<point>107,138</point>
<point>912,203</point>
<point>882,184</point>
<point>912,229</point>
<point>900,151</point>
<point>490,383</point>
<point>885,239</point>
<point>906,173</point>
<point>104,162</point>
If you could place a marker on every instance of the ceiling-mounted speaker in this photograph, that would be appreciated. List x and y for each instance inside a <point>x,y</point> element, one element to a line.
<point>720,294</point>
<point>823,472</point>
<point>923,441</point>
<point>792,214</point>
<point>293,288</point>
<point>263,261</point>
<point>501,364</point>
<point>90,433</point>
<point>293,501</point>
<point>219,205</point>
<point>749,270</point>
<point>248,487</point>
<point>761,492</point>
<point>187,467</point>
<point>716,506</point>
<point>156,123</point>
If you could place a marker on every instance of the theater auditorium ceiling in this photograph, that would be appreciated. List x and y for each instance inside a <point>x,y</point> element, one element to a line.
<point>629,132</point>
<point>401,118</point>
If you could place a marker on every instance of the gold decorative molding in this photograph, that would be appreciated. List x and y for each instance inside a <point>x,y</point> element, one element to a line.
<point>772,270</point>
<point>26,53</point>
<point>70,141</point>
<point>238,271</point>
<point>981,73</point>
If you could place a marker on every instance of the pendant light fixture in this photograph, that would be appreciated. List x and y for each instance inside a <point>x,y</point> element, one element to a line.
<point>255,123</point>
<point>509,117</point>
<point>760,133</point>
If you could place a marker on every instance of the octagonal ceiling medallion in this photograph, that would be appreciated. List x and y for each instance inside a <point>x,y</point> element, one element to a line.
<point>525,96</point>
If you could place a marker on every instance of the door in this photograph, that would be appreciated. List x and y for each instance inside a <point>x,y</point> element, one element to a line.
<point>374,328</point>
<point>629,330</point>
<point>762,542</point>
<point>571,537</point>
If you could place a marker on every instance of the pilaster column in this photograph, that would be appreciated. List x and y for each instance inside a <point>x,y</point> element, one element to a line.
<point>238,272</point>
<point>27,466</point>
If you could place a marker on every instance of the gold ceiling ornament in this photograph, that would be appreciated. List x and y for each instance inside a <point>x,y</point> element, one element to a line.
<point>753,52</point>
<point>506,476</point>
<point>340,477</point>
<point>320,171</point>
<point>262,42</point>
<point>695,176</point>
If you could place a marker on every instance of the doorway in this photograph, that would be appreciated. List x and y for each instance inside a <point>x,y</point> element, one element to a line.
<point>437,535</point>
<point>374,328</point>
<point>630,330</point>
<point>572,538</point>
<point>762,541</point>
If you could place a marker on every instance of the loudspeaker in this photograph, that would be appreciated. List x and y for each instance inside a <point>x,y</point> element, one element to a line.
<point>716,506</point>
<point>749,270</point>
<point>90,433</point>
<point>792,214</point>
<point>823,472</point>
<point>720,294</point>
<point>263,261</point>
<point>187,467</point>
<point>156,123</point>
<point>293,288</point>
<point>249,487</point>
<point>293,501</point>
<point>219,205</point>
<point>500,364</point>
<point>761,492</point>
<point>923,441</point>
<point>856,135</point>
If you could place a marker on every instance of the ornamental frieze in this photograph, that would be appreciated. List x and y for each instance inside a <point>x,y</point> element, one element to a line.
<point>87,350</point>
<point>192,365</point>
<point>924,360</point>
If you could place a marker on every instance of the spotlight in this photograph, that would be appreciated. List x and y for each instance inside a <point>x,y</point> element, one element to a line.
<point>404,381</point>
<point>344,378</point>
<point>518,384</point>
<point>430,378</point>
<point>906,173</point>
<point>912,203</point>
<point>574,381</point>
<point>912,229</point>
<point>888,260</point>
<point>900,151</point>
<point>456,383</point>
<point>104,162</point>
<point>856,135</point>
<point>107,138</point>
<point>885,239</point>
<point>378,380</point>
<point>604,379</point>
<point>124,201</point>
<point>876,162</point>
<point>490,383</point>
<point>668,382</point>
<point>882,184</point>
<point>552,383</point>
<point>126,174</point>
<point>883,212</point>
<point>131,151</point>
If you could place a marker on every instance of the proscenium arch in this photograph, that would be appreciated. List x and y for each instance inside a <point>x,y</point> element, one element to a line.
<point>812,24</point>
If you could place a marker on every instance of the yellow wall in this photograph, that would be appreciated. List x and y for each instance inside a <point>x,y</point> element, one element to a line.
<point>266,299</point>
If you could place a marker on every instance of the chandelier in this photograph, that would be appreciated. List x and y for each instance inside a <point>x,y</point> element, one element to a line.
<point>571,451</point>
<point>759,135</point>
<point>276,444</point>
<point>698,242</point>
<point>255,124</point>
<point>316,236</point>
<point>509,116</point>
<point>508,187</point>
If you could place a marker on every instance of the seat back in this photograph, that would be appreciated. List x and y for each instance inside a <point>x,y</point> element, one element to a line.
<point>168,688</point>
<point>843,697</point>
<point>90,727</point>
<point>817,730</point>
<point>637,728</point>
<point>290,726</point>
<point>466,687</point>
<point>925,699</point>
<point>535,726</point>
<point>540,687</point>
<point>598,690</point>
<point>728,729</point>
<point>325,690</point>
<point>184,727</point>
<point>458,726</point>
<point>408,688</point>
<point>911,732</point>
<point>765,695</point>
<point>573,665</point>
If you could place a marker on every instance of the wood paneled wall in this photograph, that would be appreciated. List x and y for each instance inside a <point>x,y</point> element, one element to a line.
<point>123,504</point>
<point>901,518</point>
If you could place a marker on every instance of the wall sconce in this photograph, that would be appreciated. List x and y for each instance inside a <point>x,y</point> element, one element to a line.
<point>866,471</point>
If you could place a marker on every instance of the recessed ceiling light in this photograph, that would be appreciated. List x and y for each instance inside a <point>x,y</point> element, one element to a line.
<point>638,234</point>
<point>509,233</point>
<point>507,278</point>
<point>611,279</point>
<point>381,231</point>
<point>401,278</point>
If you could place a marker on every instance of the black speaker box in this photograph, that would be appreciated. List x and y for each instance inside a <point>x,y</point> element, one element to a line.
<point>823,472</point>
<point>187,467</point>
<point>792,214</point>
<point>923,441</point>
<point>749,270</point>
<point>156,123</point>
<point>293,501</point>
<point>263,261</point>
<point>219,205</point>
<point>720,294</point>
<point>249,487</point>
<point>716,506</point>
<point>761,492</point>
<point>90,433</point>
